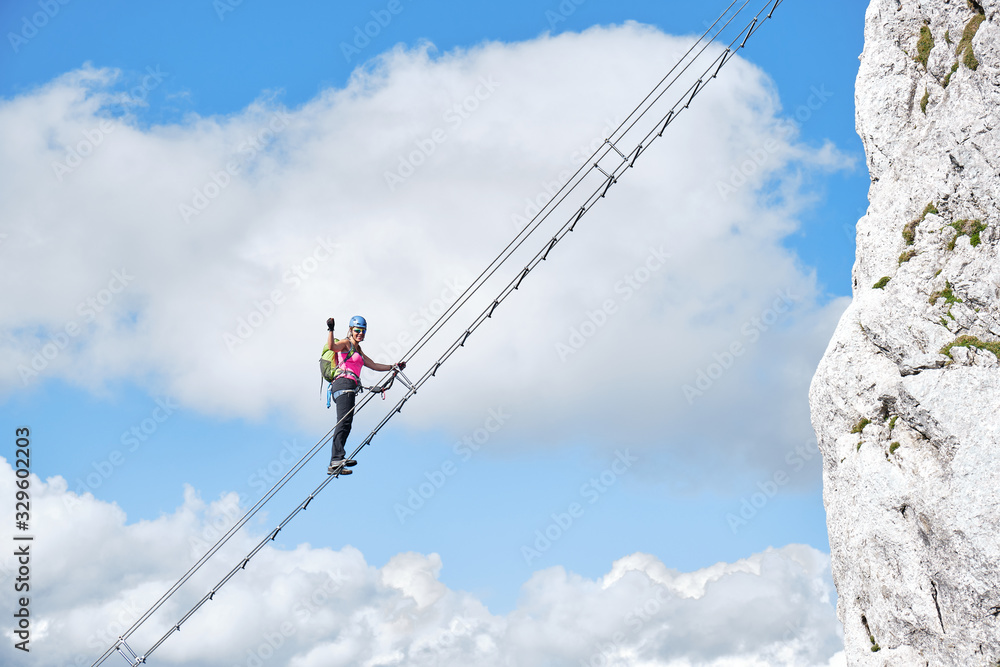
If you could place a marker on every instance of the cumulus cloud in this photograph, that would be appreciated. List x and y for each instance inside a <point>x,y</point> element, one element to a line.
<point>93,574</point>
<point>201,259</point>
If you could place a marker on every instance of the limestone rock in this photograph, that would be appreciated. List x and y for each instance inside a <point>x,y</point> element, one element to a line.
<point>909,427</point>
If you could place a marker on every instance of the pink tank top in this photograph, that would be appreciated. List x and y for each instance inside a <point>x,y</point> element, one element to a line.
<point>350,365</point>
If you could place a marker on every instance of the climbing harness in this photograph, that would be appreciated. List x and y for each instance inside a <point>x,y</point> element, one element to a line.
<point>380,389</point>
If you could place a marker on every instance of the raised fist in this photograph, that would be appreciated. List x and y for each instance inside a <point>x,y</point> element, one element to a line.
<point>329,324</point>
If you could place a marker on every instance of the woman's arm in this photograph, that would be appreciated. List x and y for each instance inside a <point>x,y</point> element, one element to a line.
<point>341,344</point>
<point>374,365</point>
<point>329,339</point>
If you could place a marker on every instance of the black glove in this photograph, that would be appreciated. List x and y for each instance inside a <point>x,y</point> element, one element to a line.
<point>329,324</point>
<point>401,365</point>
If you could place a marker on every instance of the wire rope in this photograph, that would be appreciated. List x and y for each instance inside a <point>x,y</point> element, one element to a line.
<point>627,161</point>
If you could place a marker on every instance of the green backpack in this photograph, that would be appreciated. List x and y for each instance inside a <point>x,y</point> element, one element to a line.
<point>327,365</point>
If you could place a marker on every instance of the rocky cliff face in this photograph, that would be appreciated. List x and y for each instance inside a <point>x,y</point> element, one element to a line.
<point>906,402</point>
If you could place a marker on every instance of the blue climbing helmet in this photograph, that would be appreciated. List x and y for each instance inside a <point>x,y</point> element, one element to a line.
<point>358,322</point>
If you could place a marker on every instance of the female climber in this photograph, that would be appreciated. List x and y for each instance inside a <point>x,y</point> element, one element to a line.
<point>346,383</point>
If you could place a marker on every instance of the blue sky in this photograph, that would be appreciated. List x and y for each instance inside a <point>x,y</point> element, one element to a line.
<point>216,419</point>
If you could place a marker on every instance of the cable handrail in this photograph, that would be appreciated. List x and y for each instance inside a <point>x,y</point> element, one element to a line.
<point>627,162</point>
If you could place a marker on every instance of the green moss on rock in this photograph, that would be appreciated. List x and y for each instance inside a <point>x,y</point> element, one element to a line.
<point>924,45</point>
<point>947,294</point>
<point>910,230</point>
<point>970,59</point>
<point>964,49</point>
<point>970,228</point>
<point>972,341</point>
<point>947,78</point>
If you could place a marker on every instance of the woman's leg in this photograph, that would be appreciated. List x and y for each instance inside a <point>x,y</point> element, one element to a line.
<point>345,416</point>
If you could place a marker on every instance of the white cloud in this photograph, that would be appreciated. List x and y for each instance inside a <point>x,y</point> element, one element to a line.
<point>102,247</point>
<point>93,574</point>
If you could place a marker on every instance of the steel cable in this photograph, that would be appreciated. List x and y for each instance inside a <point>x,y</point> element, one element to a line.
<point>570,185</point>
<point>627,161</point>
